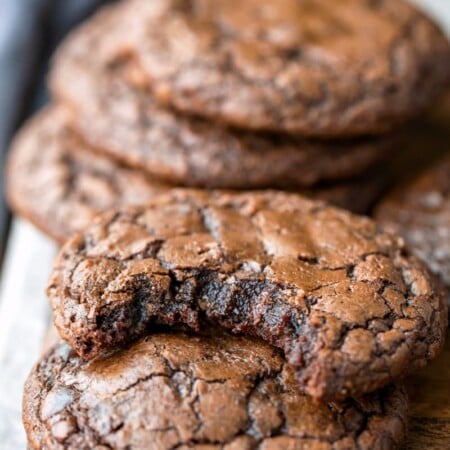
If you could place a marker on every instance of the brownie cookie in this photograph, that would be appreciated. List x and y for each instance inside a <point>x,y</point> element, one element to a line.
<point>127,124</point>
<point>420,212</point>
<point>189,392</point>
<point>58,183</point>
<point>54,181</point>
<point>313,67</point>
<point>349,307</point>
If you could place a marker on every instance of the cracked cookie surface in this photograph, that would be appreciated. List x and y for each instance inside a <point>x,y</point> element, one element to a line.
<point>60,184</point>
<point>313,67</point>
<point>190,392</point>
<point>127,124</point>
<point>349,307</point>
<point>420,212</point>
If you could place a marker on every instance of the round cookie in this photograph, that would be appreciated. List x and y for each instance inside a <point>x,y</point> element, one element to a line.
<point>314,67</point>
<point>351,309</point>
<point>127,124</point>
<point>59,184</point>
<point>420,212</point>
<point>191,392</point>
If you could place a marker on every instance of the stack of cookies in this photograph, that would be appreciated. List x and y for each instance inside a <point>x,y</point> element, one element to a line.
<point>199,316</point>
<point>302,96</point>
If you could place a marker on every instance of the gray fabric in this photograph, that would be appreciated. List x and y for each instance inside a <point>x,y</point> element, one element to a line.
<point>67,13</point>
<point>20,38</point>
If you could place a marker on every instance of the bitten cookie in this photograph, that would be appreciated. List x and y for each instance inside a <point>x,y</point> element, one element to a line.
<point>191,392</point>
<point>318,68</point>
<point>127,124</point>
<point>351,309</point>
<point>60,184</point>
<point>420,212</point>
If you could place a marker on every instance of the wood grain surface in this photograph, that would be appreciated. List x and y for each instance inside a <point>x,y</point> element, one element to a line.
<point>429,391</point>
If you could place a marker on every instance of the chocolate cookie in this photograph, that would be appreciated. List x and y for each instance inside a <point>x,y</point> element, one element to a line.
<point>127,124</point>
<point>318,68</point>
<point>420,212</point>
<point>59,184</point>
<point>186,392</point>
<point>54,181</point>
<point>349,307</point>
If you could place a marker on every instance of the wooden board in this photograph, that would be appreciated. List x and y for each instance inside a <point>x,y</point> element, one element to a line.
<point>429,391</point>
